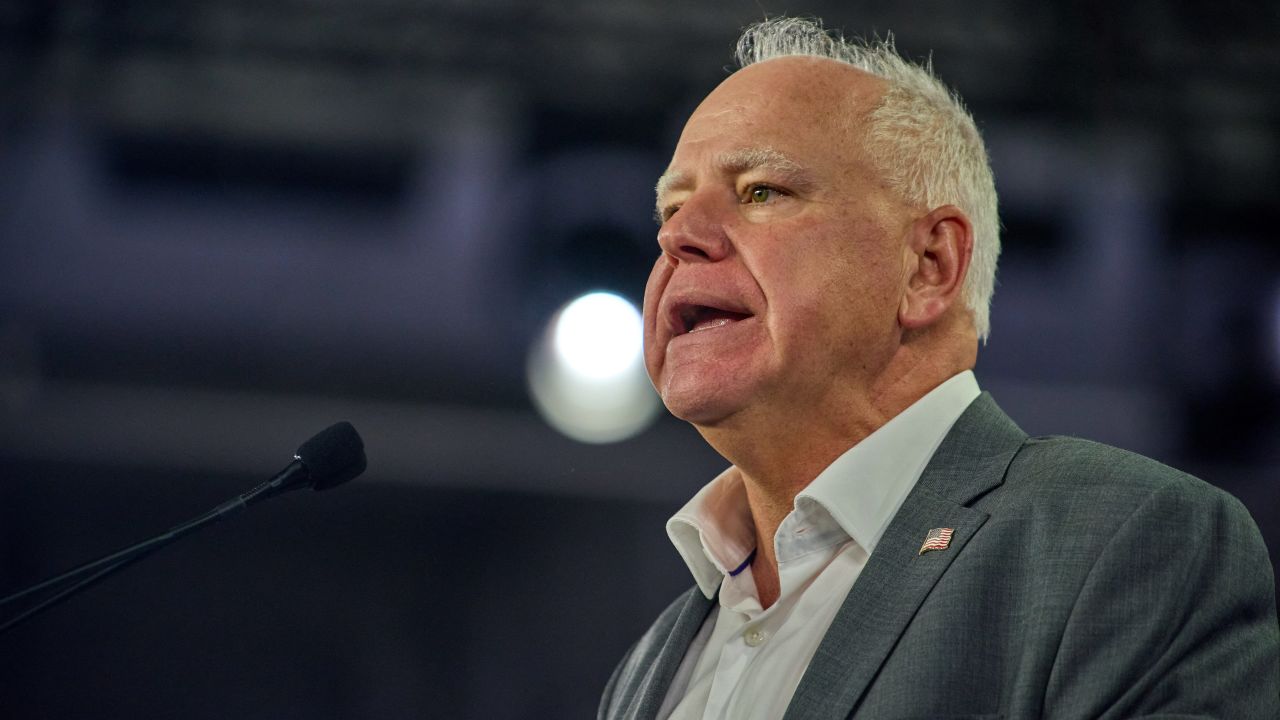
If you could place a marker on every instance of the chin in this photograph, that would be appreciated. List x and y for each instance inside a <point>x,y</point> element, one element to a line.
<point>708,393</point>
<point>700,416</point>
<point>706,408</point>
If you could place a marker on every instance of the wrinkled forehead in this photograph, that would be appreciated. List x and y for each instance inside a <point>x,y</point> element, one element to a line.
<point>820,90</point>
<point>781,114</point>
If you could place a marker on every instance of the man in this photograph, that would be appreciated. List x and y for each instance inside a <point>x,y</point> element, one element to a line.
<point>887,543</point>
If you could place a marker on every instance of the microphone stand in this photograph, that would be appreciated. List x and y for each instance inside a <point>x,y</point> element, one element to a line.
<point>294,476</point>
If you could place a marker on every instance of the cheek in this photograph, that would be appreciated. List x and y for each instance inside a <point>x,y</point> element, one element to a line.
<point>658,278</point>
<point>654,344</point>
<point>866,270</point>
<point>835,298</point>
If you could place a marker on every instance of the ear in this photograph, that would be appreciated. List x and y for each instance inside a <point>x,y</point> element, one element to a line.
<point>938,246</point>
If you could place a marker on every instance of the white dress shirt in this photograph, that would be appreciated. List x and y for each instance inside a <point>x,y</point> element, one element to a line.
<point>746,661</point>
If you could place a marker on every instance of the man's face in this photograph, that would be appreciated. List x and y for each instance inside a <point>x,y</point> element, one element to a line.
<point>783,263</point>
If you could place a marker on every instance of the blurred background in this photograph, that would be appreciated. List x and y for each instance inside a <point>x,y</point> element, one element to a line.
<point>226,224</point>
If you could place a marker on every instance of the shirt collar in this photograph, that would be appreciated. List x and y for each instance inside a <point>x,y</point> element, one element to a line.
<point>861,490</point>
<point>714,532</point>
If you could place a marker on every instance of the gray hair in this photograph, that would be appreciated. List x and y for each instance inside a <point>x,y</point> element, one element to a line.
<point>922,138</point>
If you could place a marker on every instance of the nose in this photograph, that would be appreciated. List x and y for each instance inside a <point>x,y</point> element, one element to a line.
<point>696,232</point>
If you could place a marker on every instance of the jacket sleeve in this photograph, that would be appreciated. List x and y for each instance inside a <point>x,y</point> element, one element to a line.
<point>1176,617</point>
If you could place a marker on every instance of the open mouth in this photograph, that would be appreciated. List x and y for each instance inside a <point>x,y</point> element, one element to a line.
<point>696,318</point>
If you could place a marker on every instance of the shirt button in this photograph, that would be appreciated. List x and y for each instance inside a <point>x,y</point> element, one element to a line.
<point>755,636</point>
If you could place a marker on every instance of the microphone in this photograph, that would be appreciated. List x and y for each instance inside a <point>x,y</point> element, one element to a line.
<point>331,457</point>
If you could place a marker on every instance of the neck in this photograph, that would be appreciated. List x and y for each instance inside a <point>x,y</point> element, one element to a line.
<point>781,448</point>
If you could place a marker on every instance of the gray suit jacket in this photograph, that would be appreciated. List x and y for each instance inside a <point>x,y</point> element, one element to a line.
<point>1081,581</point>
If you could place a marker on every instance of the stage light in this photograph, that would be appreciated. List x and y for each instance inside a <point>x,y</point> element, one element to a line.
<point>586,372</point>
<point>599,335</point>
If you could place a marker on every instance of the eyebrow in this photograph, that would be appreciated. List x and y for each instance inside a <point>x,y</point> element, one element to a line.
<point>738,162</point>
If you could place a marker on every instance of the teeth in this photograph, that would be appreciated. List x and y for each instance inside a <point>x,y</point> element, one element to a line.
<point>702,317</point>
<point>708,324</point>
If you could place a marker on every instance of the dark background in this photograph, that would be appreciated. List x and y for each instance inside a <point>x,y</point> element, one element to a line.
<point>226,224</point>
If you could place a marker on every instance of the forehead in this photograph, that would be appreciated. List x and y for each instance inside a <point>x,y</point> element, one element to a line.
<point>795,105</point>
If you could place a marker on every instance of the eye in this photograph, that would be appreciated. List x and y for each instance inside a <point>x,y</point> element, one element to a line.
<point>760,194</point>
<point>664,214</point>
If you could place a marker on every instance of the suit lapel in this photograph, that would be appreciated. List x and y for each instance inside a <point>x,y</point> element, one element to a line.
<point>971,461</point>
<point>666,658</point>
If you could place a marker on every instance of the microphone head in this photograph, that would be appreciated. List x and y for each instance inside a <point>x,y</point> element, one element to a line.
<point>333,456</point>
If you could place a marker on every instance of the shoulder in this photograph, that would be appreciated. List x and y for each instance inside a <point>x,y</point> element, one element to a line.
<point>1090,479</point>
<point>1160,581</point>
<point>1057,457</point>
<point>1076,502</point>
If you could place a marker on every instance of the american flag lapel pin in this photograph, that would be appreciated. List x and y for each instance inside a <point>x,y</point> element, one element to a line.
<point>937,539</point>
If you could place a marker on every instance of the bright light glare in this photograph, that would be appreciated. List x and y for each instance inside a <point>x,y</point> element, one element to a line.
<point>599,335</point>
<point>586,372</point>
